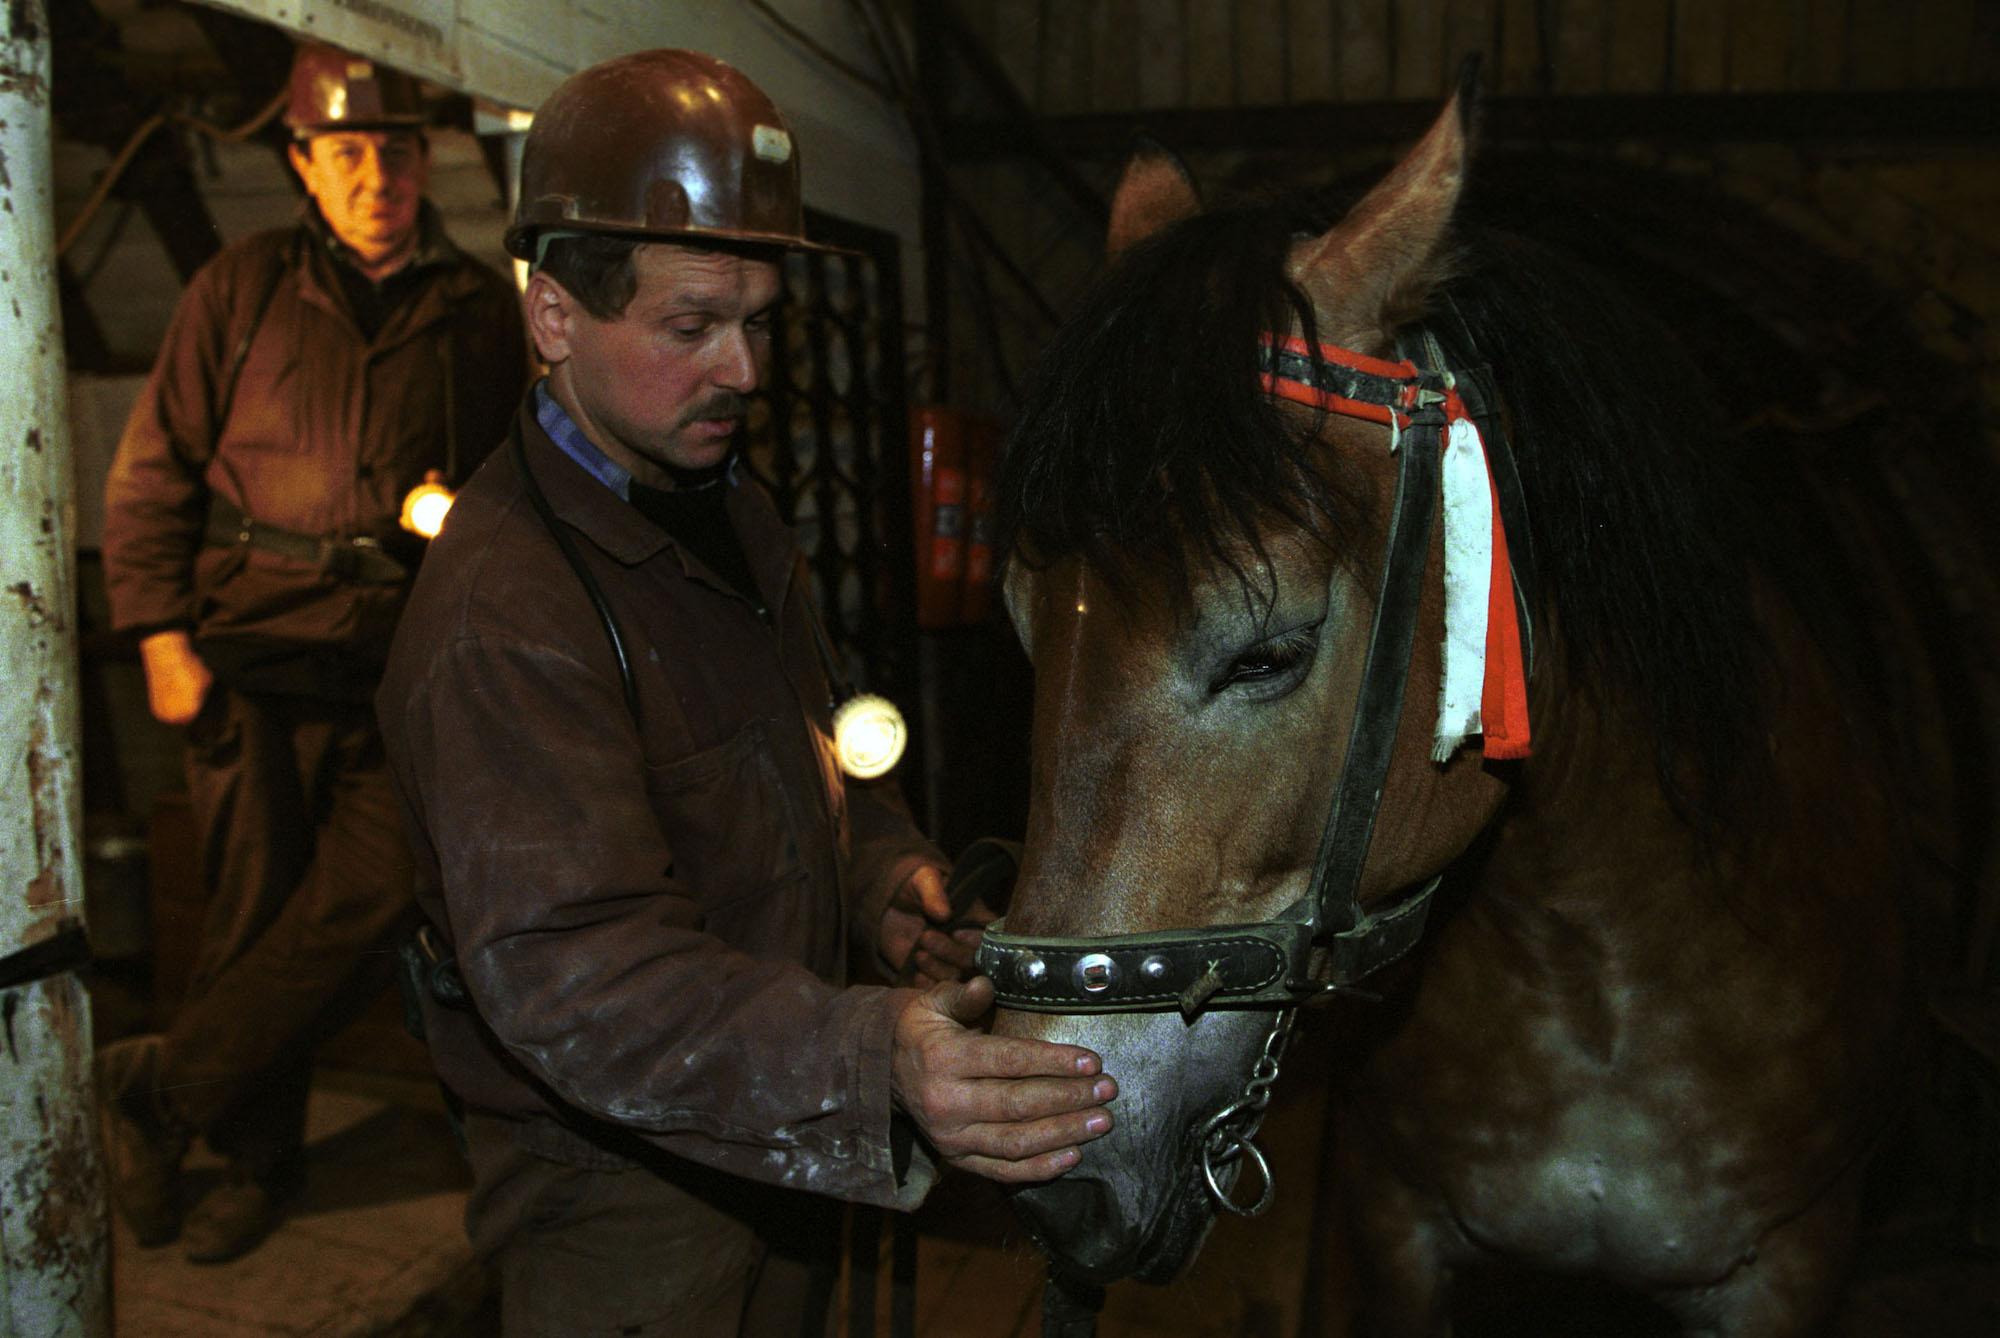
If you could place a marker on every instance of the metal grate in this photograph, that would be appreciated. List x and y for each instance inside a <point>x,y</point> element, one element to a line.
<point>828,437</point>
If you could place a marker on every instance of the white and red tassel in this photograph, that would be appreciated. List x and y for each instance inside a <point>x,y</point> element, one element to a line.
<point>1483,687</point>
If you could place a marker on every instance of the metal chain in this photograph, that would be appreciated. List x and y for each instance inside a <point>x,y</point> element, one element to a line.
<point>1227,1136</point>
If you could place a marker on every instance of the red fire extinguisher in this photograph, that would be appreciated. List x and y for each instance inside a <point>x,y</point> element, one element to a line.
<point>937,491</point>
<point>982,450</point>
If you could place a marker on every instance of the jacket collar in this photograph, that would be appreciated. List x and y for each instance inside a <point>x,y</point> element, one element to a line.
<point>581,501</point>
<point>589,505</point>
<point>455,279</point>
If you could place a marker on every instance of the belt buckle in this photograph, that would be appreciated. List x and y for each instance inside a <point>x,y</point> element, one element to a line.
<point>336,557</point>
<point>373,561</point>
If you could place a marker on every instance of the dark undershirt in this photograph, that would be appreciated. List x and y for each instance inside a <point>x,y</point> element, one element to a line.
<point>371,302</point>
<point>698,520</point>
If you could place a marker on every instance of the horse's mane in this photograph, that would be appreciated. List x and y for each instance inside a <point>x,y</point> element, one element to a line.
<point>1144,442</point>
<point>1647,520</point>
<point>1145,445</point>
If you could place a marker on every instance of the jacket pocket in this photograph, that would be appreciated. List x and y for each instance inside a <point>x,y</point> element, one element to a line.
<point>728,821</point>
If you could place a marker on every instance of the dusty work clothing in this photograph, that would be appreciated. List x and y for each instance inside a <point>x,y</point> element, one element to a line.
<point>659,1246</point>
<point>301,841</point>
<point>652,916</point>
<point>253,502</point>
<point>323,432</point>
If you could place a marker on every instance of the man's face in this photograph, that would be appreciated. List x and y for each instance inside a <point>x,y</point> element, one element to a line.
<point>368,185</point>
<point>663,383</point>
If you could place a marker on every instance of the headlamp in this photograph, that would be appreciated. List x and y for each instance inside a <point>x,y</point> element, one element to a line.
<point>868,735</point>
<point>425,506</point>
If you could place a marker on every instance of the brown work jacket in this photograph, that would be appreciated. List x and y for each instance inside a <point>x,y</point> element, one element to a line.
<point>324,433</point>
<point>652,917</point>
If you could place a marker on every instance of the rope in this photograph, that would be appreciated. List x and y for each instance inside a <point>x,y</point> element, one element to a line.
<point>225,135</point>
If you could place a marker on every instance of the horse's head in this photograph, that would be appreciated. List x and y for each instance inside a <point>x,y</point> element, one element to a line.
<point>1195,582</point>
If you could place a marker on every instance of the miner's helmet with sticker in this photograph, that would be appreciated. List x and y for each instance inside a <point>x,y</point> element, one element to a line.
<point>669,144</point>
<point>332,90</point>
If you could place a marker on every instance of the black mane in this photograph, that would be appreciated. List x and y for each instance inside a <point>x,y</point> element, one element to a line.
<point>1145,445</point>
<point>1144,441</point>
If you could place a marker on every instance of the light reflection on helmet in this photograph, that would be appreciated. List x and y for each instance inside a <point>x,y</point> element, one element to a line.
<point>332,90</point>
<point>663,143</point>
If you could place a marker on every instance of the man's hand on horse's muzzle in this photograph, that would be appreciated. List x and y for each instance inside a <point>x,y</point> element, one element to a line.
<point>1003,1107</point>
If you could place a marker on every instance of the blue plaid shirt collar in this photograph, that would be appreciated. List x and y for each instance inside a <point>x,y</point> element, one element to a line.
<point>564,432</point>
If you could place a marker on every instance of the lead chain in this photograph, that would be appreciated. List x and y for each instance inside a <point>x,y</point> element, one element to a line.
<point>1229,1132</point>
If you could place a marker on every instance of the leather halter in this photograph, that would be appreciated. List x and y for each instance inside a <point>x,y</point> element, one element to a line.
<point>1326,941</point>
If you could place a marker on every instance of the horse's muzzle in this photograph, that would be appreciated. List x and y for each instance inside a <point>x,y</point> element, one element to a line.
<point>1138,1204</point>
<point>1076,1220</point>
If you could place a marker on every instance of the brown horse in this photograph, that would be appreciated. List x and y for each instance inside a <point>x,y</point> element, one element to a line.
<point>1662,1008</point>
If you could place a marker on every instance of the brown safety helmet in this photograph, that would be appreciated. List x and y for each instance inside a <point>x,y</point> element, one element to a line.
<point>333,90</point>
<point>662,143</point>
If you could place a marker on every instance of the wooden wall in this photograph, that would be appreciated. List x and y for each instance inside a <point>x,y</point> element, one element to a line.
<point>1075,56</point>
<point>1911,212</point>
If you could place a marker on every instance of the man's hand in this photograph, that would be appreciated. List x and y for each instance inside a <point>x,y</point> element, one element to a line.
<point>1002,1107</point>
<point>177,681</point>
<point>913,933</point>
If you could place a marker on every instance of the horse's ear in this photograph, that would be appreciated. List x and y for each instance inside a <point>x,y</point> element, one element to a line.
<point>1374,268</point>
<point>1157,190</point>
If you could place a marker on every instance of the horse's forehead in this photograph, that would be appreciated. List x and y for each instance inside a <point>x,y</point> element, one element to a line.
<point>1065,595</point>
<point>1282,553</point>
<point>1068,611</point>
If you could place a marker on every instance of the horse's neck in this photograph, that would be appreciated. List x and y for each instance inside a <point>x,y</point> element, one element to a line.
<point>1591,837</point>
<point>1589,823</point>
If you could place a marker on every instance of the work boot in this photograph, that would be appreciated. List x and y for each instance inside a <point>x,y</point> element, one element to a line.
<point>143,1143</point>
<point>234,1218</point>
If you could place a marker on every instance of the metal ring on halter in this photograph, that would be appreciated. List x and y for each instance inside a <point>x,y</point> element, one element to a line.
<point>1244,1147</point>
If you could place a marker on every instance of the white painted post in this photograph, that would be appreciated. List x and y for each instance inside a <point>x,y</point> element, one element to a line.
<point>54,1238</point>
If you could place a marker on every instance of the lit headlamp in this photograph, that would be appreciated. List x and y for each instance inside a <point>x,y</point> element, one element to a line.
<point>425,506</point>
<point>868,735</point>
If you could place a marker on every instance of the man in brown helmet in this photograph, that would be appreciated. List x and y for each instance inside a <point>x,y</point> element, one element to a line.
<point>311,378</point>
<point>610,715</point>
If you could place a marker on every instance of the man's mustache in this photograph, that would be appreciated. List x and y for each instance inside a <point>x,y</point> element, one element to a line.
<point>722,404</point>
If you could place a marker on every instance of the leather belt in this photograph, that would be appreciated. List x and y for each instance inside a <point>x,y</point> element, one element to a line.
<point>356,558</point>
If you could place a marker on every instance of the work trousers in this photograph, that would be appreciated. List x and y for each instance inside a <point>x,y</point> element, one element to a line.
<point>309,885</point>
<point>648,1250</point>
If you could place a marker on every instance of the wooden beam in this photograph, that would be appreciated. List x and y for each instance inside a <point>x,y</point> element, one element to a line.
<point>84,344</point>
<point>95,104</point>
<point>1019,124</point>
<point>1948,116</point>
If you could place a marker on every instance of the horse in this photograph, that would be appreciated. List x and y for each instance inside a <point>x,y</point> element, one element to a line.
<point>1415,654</point>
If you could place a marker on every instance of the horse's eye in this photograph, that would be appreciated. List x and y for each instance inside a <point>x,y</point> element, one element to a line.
<point>1280,658</point>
